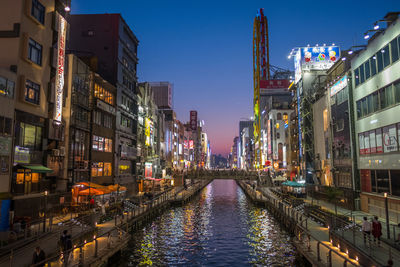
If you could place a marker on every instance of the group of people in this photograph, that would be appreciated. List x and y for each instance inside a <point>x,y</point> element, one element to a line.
<point>374,227</point>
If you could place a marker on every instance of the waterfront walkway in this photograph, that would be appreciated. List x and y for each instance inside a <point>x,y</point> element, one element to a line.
<point>93,245</point>
<point>319,233</point>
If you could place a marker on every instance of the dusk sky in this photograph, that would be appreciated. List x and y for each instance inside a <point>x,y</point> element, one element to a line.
<point>205,47</point>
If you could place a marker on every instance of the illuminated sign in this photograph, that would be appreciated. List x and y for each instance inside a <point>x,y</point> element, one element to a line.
<point>59,84</point>
<point>319,57</point>
<point>339,85</point>
<point>185,144</point>
<point>148,132</point>
<point>193,120</point>
<point>274,84</point>
<point>190,144</point>
<point>297,67</point>
<point>148,170</point>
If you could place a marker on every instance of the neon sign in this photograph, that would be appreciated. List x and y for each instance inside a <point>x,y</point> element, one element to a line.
<point>60,69</point>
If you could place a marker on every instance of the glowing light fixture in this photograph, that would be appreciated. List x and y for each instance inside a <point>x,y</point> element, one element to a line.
<point>67,8</point>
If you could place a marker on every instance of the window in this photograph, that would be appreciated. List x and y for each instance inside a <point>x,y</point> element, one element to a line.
<point>357,77</point>
<point>108,121</point>
<point>103,94</point>
<point>389,101</point>
<point>359,114</point>
<point>6,87</point>
<point>370,101</point>
<point>5,126</point>
<point>362,77</point>
<point>101,169</point>
<point>395,178</point>
<point>382,180</point>
<point>364,107</point>
<point>373,65</point>
<point>278,135</point>
<point>97,117</point>
<point>279,116</point>
<point>102,144</point>
<point>35,52</point>
<point>367,70</point>
<point>32,92</point>
<point>340,125</point>
<point>29,136</point>
<point>38,11</point>
<point>380,61</point>
<point>107,169</point>
<point>397,92</point>
<point>126,122</point>
<point>394,47</point>
<point>386,56</point>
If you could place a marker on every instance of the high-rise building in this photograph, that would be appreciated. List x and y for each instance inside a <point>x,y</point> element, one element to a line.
<point>109,38</point>
<point>33,38</point>
<point>163,94</point>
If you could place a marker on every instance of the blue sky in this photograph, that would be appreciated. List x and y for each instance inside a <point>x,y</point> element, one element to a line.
<point>205,47</point>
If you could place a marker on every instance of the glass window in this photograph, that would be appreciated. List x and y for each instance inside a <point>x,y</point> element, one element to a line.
<point>100,170</point>
<point>38,11</point>
<point>373,65</point>
<point>380,61</point>
<point>101,143</point>
<point>382,179</point>
<point>8,126</point>
<point>382,98</point>
<point>375,100</point>
<point>396,88</point>
<point>389,139</point>
<point>386,56</point>
<point>395,179</point>
<point>32,92</point>
<point>107,169</point>
<point>394,47</point>
<point>95,145</point>
<point>35,52</point>
<point>364,106</point>
<point>362,77</point>
<point>94,169</point>
<point>357,77</point>
<point>359,114</point>
<point>10,88</point>
<point>108,145</point>
<point>3,85</point>
<point>389,96</point>
<point>370,101</point>
<point>378,136</point>
<point>367,70</point>
<point>373,181</point>
<point>279,116</point>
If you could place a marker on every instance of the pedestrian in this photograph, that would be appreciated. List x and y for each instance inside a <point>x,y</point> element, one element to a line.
<point>68,249</point>
<point>366,228</point>
<point>63,239</point>
<point>38,257</point>
<point>377,230</point>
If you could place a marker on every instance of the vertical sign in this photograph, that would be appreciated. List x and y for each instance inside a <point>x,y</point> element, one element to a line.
<point>193,120</point>
<point>60,69</point>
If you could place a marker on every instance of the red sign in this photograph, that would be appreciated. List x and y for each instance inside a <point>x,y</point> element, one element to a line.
<point>148,170</point>
<point>274,84</point>
<point>190,144</point>
<point>193,120</point>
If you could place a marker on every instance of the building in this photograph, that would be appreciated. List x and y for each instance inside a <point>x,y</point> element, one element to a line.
<point>163,94</point>
<point>110,39</point>
<point>376,97</point>
<point>33,37</point>
<point>310,75</point>
<point>102,132</point>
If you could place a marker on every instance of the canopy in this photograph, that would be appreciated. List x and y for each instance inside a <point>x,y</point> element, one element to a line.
<point>35,168</point>
<point>293,184</point>
<point>90,191</point>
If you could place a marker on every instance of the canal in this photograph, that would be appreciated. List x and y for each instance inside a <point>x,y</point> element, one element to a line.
<point>220,227</point>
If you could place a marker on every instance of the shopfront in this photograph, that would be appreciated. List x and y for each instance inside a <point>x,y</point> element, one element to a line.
<point>30,179</point>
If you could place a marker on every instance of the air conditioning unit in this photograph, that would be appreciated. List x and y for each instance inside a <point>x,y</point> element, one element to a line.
<point>62,151</point>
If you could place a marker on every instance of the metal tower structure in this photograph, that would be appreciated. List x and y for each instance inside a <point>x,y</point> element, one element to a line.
<point>261,71</point>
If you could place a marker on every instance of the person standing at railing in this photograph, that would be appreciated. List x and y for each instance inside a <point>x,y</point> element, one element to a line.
<point>377,230</point>
<point>366,228</point>
<point>38,256</point>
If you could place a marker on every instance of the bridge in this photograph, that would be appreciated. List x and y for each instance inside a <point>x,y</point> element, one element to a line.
<point>223,174</point>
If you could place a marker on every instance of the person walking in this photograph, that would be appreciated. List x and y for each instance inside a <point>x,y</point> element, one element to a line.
<point>377,230</point>
<point>38,257</point>
<point>366,228</point>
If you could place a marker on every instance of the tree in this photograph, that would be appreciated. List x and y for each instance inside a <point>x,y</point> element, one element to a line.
<point>332,193</point>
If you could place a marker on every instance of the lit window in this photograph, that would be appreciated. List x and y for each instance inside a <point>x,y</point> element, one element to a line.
<point>32,92</point>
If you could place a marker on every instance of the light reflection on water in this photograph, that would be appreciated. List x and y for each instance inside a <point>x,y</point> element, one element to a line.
<point>219,228</point>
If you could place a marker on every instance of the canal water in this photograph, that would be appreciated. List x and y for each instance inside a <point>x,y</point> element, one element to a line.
<point>220,227</point>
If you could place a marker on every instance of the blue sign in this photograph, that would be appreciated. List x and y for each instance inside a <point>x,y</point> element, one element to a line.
<point>319,57</point>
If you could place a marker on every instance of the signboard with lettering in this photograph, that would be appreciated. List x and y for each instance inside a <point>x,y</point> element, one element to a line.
<point>274,84</point>
<point>339,85</point>
<point>193,120</point>
<point>59,83</point>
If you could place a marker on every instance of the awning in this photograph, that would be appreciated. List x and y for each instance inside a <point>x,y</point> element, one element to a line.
<point>35,168</point>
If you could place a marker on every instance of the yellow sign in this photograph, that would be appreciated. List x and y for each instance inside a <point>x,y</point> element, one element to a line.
<point>147,131</point>
<point>276,165</point>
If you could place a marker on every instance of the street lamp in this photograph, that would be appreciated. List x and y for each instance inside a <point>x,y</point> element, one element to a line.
<point>45,210</point>
<point>387,215</point>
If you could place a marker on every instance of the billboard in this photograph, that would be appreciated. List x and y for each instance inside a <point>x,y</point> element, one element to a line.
<point>59,83</point>
<point>193,120</point>
<point>148,170</point>
<point>319,57</point>
<point>274,84</point>
<point>314,58</point>
<point>190,144</point>
<point>339,85</point>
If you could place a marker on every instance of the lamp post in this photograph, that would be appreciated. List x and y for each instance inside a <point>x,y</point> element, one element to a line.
<point>387,215</point>
<point>45,210</point>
